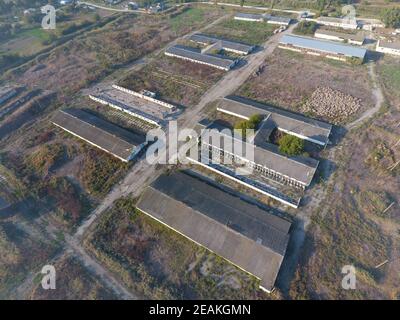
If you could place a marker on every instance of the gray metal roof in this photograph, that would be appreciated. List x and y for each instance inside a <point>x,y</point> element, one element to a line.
<point>191,53</point>
<point>337,20</point>
<point>225,44</point>
<point>249,16</point>
<point>242,233</point>
<point>359,36</point>
<point>278,19</point>
<point>134,110</point>
<point>391,45</point>
<point>105,135</point>
<point>300,169</point>
<point>283,119</point>
<point>324,46</point>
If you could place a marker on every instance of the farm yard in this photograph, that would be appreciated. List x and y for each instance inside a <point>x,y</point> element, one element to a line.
<point>308,85</point>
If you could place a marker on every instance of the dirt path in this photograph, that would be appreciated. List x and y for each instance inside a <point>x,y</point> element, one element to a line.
<point>378,95</point>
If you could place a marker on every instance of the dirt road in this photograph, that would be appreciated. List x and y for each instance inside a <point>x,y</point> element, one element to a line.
<point>378,95</point>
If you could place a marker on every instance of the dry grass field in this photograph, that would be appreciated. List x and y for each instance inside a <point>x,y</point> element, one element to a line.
<point>289,79</point>
<point>74,282</point>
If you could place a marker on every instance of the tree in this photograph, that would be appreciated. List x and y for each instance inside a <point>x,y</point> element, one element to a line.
<point>291,145</point>
<point>391,17</point>
<point>250,124</point>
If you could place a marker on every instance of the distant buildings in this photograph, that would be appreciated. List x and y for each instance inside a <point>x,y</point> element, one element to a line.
<point>7,93</point>
<point>252,239</point>
<point>338,22</point>
<point>121,143</point>
<point>193,55</point>
<point>249,17</point>
<point>65,2</point>
<point>230,46</point>
<point>388,47</point>
<point>282,21</point>
<point>327,49</point>
<point>357,39</point>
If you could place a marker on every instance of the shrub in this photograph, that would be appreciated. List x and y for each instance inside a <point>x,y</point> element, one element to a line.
<point>250,124</point>
<point>291,145</point>
<point>391,17</point>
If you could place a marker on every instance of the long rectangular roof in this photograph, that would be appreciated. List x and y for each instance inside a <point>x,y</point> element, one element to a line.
<point>105,135</point>
<point>359,36</point>
<point>279,19</point>
<point>227,44</point>
<point>298,168</point>
<point>191,53</point>
<point>324,46</point>
<point>288,121</point>
<point>337,20</point>
<point>250,16</point>
<point>391,45</point>
<point>242,233</point>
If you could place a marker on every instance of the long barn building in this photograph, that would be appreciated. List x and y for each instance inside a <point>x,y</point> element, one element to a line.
<point>292,123</point>
<point>328,49</point>
<point>121,143</point>
<point>193,55</point>
<point>245,235</point>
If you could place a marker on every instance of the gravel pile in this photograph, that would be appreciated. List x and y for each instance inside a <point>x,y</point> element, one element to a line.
<point>332,105</point>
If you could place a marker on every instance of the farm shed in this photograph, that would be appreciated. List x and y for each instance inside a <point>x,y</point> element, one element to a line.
<point>121,143</point>
<point>193,55</point>
<point>328,49</point>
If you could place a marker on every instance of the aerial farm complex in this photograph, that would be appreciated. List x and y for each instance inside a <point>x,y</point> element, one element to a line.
<point>199,151</point>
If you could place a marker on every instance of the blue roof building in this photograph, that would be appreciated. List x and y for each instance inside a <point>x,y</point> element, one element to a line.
<point>320,47</point>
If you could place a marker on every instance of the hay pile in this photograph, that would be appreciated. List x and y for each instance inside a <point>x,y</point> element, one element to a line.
<point>332,105</point>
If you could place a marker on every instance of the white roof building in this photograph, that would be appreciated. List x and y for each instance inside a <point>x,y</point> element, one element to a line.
<point>388,47</point>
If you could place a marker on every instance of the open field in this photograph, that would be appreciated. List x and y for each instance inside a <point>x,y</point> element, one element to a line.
<point>74,282</point>
<point>289,79</point>
<point>358,223</point>
<point>159,263</point>
<point>254,33</point>
<point>389,72</point>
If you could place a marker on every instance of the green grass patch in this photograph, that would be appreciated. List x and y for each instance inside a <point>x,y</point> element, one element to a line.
<point>254,33</point>
<point>391,76</point>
